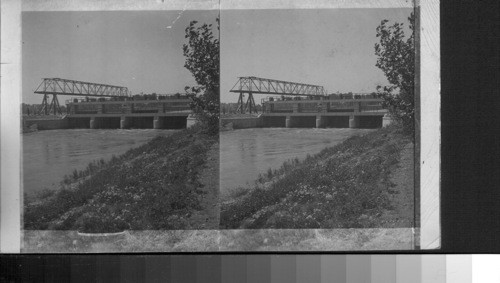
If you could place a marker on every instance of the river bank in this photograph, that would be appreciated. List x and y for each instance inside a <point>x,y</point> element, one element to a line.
<point>162,184</point>
<point>358,183</point>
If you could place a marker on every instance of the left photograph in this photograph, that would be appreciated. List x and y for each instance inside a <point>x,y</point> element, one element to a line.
<point>120,144</point>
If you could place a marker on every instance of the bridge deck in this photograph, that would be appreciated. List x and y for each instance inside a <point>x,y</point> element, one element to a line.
<point>130,108</point>
<point>325,107</point>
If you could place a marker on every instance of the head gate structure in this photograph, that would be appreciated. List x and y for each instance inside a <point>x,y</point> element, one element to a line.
<point>253,85</point>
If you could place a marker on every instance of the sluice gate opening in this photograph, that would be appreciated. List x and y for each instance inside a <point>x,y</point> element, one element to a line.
<point>79,123</point>
<point>274,121</point>
<point>302,122</point>
<point>141,122</point>
<point>335,121</point>
<point>369,122</point>
<point>173,122</point>
<point>107,122</point>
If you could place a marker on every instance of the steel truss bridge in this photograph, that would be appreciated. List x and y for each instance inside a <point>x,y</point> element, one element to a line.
<point>253,85</point>
<point>57,86</point>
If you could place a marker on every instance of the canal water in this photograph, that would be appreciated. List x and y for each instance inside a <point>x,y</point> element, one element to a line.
<point>50,155</point>
<point>246,153</point>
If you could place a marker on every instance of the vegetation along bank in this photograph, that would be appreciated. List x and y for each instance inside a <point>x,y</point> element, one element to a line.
<point>163,184</point>
<point>365,181</point>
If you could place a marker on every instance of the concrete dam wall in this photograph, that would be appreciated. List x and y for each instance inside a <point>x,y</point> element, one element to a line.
<point>242,123</point>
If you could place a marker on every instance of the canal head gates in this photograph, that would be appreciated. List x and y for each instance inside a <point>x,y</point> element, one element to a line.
<point>309,105</point>
<point>158,114</point>
<point>319,113</point>
<point>113,106</point>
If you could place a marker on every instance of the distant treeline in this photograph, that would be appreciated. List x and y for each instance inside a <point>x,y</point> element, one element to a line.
<point>230,108</point>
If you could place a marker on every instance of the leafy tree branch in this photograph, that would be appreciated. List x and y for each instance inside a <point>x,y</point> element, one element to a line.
<point>396,58</point>
<point>203,61</point>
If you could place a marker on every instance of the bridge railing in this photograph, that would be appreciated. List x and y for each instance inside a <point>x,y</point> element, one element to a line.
<point>128,107</point>
<point>315,106</point>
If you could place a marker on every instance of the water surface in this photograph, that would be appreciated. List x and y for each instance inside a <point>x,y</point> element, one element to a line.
<point>50,155</point>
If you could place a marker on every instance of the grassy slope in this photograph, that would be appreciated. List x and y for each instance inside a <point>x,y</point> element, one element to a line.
<point>154,186</point>
<point>345,186</point>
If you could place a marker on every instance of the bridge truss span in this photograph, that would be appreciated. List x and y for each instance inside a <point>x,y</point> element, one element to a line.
<point>57,86</point>
<point>71,87</point>
<point>269,86</point>
<point>253,85</point>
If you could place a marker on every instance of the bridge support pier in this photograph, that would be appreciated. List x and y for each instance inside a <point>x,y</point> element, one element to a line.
<point>157,123</point>
<point>353,122</point>
<point>53,107</point>
<point>319,121</point>
<point>93,123</point>
<point>124,122</point>
<point>387,120</point>
<point>190,120</point>
<point>288,122</point>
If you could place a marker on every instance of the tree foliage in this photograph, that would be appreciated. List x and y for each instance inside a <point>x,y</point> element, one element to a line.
<point>396,58</point>
<point>202,60</point>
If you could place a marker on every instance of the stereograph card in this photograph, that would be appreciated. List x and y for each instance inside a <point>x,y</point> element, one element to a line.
<point>231,126</point>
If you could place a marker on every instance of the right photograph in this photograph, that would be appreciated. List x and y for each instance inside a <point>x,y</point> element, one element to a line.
<point>319,136</point>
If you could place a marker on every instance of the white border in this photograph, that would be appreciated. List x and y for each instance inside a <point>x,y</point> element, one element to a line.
<point>10,197</point>
<point>430,125</point>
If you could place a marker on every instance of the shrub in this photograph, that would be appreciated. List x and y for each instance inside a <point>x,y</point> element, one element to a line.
<point>396,58</point>
<point>202,60</point>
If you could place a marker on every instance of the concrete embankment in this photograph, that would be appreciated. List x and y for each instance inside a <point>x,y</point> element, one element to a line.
<point>304,121</point>
<point>241,122</point>
<point>146,122</point>
<point>30,125</point>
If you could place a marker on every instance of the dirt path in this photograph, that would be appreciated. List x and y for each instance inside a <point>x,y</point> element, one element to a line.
<point>402,194</point>
<point>208,217</point>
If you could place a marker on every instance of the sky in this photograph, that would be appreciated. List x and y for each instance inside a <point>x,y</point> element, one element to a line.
<point>329,47</point>
<point>333,48</point>
<point>134,49</point>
